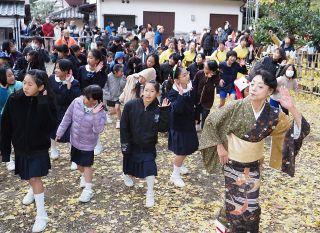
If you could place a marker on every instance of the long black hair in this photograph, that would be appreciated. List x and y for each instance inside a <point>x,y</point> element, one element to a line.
<point>40,77</point>
<point>35,60</point>
<point>3,75</point>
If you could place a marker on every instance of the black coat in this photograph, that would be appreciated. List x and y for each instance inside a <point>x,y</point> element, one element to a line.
<point>165,71</point>
<point>267,63</point>
<point>193,69</point>
<point>205,89</point>
<point>139,126</point>
<point>87,78</point>
<point>182,110</point>
<point>207,41</point>
<point>27,123</point>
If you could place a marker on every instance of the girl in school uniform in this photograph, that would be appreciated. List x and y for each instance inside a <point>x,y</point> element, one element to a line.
<point>66,88</point>
<point>86,118</point>
<point>141,121</point>
<point>8,85</point>
<point>27,121</point>
<point>93,73</point>
<point>183,139</point>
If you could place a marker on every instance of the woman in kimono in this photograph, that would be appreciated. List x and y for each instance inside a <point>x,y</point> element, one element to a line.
<point>234,137</point>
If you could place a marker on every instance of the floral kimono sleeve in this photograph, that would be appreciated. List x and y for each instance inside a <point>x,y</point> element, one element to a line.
<point>285,145</point>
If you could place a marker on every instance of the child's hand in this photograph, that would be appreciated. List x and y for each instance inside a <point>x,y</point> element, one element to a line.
<point>99,67</point>
<point>45,92</point>
<point>57,138</point>
<point>68,80</point>
<point>221,83</point>
<point>165,103</point>
<point>98,108</point>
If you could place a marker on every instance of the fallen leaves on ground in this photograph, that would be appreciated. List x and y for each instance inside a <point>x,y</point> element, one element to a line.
<point>288,204</point>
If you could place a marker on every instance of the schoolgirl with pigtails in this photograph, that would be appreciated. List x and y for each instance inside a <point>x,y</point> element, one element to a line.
<point>183,139</point>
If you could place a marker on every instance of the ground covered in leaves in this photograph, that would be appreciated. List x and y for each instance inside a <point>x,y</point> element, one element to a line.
<point>288,204</point>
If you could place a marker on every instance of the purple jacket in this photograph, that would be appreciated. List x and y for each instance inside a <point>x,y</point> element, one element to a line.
<point>85,127</point>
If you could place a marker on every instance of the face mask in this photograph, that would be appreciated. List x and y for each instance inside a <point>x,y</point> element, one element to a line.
<point>47,21</point>
<point>289,73</point>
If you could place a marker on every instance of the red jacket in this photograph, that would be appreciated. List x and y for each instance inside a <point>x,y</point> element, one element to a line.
<point>47,29</point>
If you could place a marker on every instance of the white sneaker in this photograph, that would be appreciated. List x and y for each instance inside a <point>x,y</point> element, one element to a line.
<point>10,165</point>
<point>73,166</point>
<point>40,224</point>
<point>28,198</point>
<point>183,170</point>
<point>86,195</point>
<point>109,119</point>
<point>177,181</point>
<point>127,180</point>
<point>54,153</point>
<point>118,124</point>
<point>149,199</point>
<point>82,182</point>
<point>98,149</point>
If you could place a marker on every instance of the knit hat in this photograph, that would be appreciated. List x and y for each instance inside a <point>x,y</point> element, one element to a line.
<point>118,55</point>
<point>149,74</point>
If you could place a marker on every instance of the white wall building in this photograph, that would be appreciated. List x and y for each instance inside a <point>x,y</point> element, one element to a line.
<point>178,16</point>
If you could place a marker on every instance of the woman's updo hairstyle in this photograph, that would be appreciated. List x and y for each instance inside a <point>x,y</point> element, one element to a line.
<point>268,79</point>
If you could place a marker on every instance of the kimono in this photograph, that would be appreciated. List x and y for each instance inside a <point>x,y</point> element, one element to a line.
<point>243,131</point>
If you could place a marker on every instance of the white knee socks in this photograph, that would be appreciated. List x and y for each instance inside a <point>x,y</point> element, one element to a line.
<point>176,171</point>
<point>150,183</point>
<point>39,199</point>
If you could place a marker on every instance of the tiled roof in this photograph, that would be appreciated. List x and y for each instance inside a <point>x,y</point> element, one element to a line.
<point>11,8</point>
<point>67,13</point>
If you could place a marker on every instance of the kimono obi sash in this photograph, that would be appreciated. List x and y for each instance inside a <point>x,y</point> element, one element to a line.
<point>243,151</point>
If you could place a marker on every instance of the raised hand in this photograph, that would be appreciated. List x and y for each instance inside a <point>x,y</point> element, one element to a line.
<point>68,80</point>
<point>98,108</point>
<point>286,100</point>
<point>99,67</point>
<point>165,103</point>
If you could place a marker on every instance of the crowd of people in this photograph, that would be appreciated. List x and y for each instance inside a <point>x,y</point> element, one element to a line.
<point>149,85</point>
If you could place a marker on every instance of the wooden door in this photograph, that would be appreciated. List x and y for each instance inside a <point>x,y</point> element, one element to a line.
<point>166,19</point>
<point>218,20</point>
